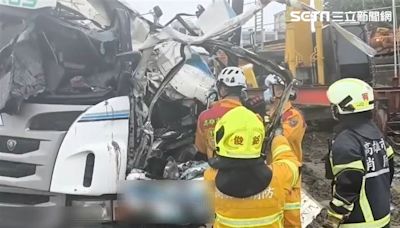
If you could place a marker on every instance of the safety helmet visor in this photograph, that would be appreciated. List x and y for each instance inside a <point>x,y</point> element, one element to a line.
<point>278,90</point>
<point>275,87</point>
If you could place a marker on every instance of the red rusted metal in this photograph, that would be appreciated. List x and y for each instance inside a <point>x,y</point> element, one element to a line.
<point>388,112</point>
<point>312,96</point>
<point>316,96</point>
<point>391,96</point>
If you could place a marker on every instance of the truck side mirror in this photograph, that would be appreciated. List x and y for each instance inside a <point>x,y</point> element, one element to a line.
<point>200,10</point>
<point>157,11</point>
<point>212,96</point>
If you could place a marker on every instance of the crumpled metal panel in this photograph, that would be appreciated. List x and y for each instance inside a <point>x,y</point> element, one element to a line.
<point>24,75</point>
<point>91,9</point>
<point>194,80</point>
<point>27,70</point>
<point>5,88</point>
<point>50,50</point>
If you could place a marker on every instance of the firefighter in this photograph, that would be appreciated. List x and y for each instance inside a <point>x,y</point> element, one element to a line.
<point>294,127</point>
<point>361,163</point>
<point>231,84</point>
<point>248,193</point>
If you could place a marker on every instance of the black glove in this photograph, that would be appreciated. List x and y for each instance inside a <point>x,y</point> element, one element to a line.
<point>256,104</point>
<point>278,131</point>
<point>333,220</point>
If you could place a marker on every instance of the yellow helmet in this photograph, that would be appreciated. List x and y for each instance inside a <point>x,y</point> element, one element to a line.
<point>351,95</point>
<point>239,134</point>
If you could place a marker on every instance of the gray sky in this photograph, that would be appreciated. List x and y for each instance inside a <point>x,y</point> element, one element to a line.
<point>172,7</point>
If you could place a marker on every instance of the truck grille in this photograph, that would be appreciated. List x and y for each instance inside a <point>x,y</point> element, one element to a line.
<point>30,141</point>
<point>13,145</point>
<point>16,169</point>
<point>26,199</point>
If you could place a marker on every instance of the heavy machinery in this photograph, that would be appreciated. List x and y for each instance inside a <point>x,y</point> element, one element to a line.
<point>125,79</point>
<point>319,58</point>
<point>92,93</point>
<point>69,116</point>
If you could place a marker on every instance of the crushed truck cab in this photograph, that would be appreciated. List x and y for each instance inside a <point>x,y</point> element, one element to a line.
<point>94,94</point>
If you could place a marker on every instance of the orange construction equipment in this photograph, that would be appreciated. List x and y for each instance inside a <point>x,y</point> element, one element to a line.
<point>382,38</point>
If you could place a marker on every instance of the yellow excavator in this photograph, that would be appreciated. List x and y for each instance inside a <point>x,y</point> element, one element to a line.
<point>319,58</point>
<point>330,51</point>
<point>301,55</point>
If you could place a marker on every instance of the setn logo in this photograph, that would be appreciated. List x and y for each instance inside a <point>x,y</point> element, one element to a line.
<point>309,16</point>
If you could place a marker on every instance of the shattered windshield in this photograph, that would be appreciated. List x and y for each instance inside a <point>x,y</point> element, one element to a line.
<point>94,93</point>
<point>85,52</point>
<point>65,54</point>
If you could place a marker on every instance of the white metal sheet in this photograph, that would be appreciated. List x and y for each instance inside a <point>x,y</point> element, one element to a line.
<point>310,208</point>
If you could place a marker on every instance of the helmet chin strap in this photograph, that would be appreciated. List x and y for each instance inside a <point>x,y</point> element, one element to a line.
<point>220,97</point>
<point>229,95</point>
<point>335,112</point>
<point>219,87</point>
<point>242,97</point>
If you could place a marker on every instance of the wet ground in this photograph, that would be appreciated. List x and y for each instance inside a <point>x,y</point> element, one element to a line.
<point>315,147</point>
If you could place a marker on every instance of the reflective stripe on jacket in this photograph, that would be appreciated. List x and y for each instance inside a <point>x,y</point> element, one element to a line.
<point>294,128</point>
<point>206,122</point>
<point>361,164</point>
<point>264,209</point>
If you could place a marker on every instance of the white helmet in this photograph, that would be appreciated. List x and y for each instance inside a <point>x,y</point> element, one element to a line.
<point>351,95</point>
<point>232,77</point>
<point>272,79</point>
